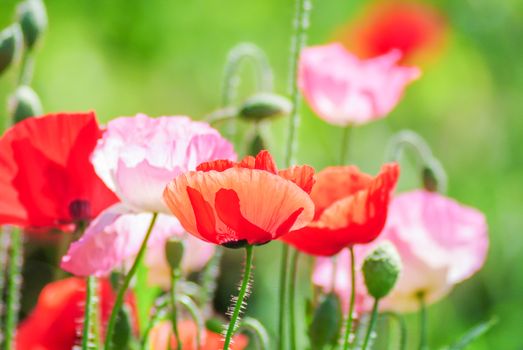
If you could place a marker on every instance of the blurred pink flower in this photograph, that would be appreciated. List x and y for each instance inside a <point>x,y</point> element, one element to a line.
<point>138,156</point>
<point>441,243</point>
<point>344,90</point>
<point>115,237</point>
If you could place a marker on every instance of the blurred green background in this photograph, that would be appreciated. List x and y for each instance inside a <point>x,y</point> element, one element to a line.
<point>160,57</point>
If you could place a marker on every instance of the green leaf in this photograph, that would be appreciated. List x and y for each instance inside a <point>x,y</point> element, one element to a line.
<point>473,334</point>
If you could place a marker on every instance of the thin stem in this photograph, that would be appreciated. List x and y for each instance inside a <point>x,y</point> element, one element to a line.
<point>175,276</point>
<point>241,296</point>
<point>423,322</point>
<point>159,315</point>
<point>402,329</point>
<point>196,315</point>
<point>345,141</point>
<point>89,314</point>
<point>26,68</point>
<point>372,324</point>
<point>4,250</point>
<point>13,287</point>
<point>283,296</point>
<point>292,296</point>
<point>123,288</point>
<point>350,316</point>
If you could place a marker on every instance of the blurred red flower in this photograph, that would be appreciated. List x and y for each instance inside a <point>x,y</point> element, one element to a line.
<point>55,321</point>
<point>235,204</point>
<point>46,178</point>
<point>415,28</point>
<point>351,208</point>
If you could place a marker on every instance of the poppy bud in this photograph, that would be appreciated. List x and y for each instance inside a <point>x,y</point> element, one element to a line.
<point>24,103</point>
<point>326,323</point>
<point>381,269</point>
<point>10,45</point>
<point>174,253</point>
<point>430,183</point>
<point>122,329</point>
<point>257,144</point>
<point>32,17</point>
<point>264,105</point>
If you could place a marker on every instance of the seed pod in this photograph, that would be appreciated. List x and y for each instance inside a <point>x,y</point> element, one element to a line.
<point>174,253</point>
<point>263,106</point>
<point>32,17</point>
<point>381,269</point>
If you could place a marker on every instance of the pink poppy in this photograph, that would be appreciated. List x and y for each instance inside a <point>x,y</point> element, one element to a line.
<point>345,90</point>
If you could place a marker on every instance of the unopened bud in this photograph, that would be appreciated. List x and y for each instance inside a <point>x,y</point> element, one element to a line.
<point>257,144</point>
<point>174,253</point>
<point>32,17</point>
<point>326,322</point>
<point>122,329</point>
<point>10,46</point>
<point>430,183</point>
<point>381,269</point>
<point>24,103</point>
<point>264,105</point>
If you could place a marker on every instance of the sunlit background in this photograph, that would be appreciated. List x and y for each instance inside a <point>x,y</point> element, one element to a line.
<point>121,57</point>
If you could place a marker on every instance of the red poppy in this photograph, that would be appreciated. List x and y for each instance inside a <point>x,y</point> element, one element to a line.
<point>414,28</point>
<point>46,178</point>
<point>55,322</point>
<point>245,203</point>
<point>351,208</point>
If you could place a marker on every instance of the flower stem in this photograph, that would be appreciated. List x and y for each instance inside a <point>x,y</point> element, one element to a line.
<point>372,324</point>
<point>175,276</point>
<point>4,251</point>
<point>13,287</point>
<point>345,141</point>
<point>423,322</point>
<point>241,296</point>
<point>292,297</point>
<point>88,334</point>
<point>402,329</point>
<point>282,295</point>
<point>348,326</point>
<point>123,288</point>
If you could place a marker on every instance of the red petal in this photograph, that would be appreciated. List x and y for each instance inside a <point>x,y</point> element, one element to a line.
<point>303,176</point>
<point>287,224</point>
<point>218,165</point>
<point>316,241</point>
<point>203,214</point>
<point>264,161</point>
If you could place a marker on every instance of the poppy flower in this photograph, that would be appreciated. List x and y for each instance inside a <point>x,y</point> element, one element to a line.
<point>351,208</point>
<point>115,237</point>
<point>415,28</point>
<point>246,203</point>
<point>162,338</point>
<point>138,156</point>
<point>441,243</point>
<point>46,178</point>
<point>345,90</point>
<point>54,323</point>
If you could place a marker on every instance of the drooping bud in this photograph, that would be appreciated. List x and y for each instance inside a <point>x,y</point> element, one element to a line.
<point>381,269</point>
<point>326,322</point>
<point>263,106</point>
<point>10,46</point>
<point>257,144</point>
<point>24,103</point>
<point>430,183</point>
<point>174,253</point>
<point>32,17</point>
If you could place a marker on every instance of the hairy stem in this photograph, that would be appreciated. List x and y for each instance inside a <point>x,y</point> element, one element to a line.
<point>4,251</point>
<point>14,283</point>
<point>350,316</point>
<point>123,288</point>
<point>372,324</point>
<point>88,332</point>
<point>241,296</point>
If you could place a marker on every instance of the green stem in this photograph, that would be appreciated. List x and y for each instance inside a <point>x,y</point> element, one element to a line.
<point>402,329</point>
<point>123,288</point>
<point>13,287</point>
<point>283,296</point>
<point>345,141</point>
<point>4,250</point>
<point>241,296</point>
<point>175,276</point>
<point>196,315</point>
<point>159,315</point>
<point>88,334</point>
<point>350,316</point>
<point>292,296</point>
<point>26,68</point>
<point>372,324</point>
<point>423,322</point>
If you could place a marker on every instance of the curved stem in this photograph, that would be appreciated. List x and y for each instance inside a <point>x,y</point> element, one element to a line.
<point>402,329</point>
<point>196,315</point>
<point>345,141</point>
<point>423,322</point>
<point>282,295</point>
<point>292,297</point>
<point>241,296</point>
<point>13,287</point>
<point>372,324</point>
<point>123,288</point>
<point>348,326</point>
<point>88,334</point>
<point>175,276</point>
<point>256,328</point>
<point>159,315</point>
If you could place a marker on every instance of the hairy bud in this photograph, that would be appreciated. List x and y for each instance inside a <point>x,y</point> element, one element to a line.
<point>381,269</point>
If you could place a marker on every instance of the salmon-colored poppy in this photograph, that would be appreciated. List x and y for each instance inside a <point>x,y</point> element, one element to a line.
<point>55,322</point>
<point>351,208</point>
<point>162,338</point>
<point>245,203</point>
<point>46,178</point>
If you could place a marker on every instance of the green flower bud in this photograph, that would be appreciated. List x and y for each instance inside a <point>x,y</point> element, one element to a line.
<point>214,325</point>
<point>122,329</point>
<point>263,106</point>
<point>430,183</point>
<point>326,322</point>
<point>10,46</point>
<point>32,17</point>
<point>256,145</point>
<point>381,269</point>
<point>174,253</point>
<point>24,103</point>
